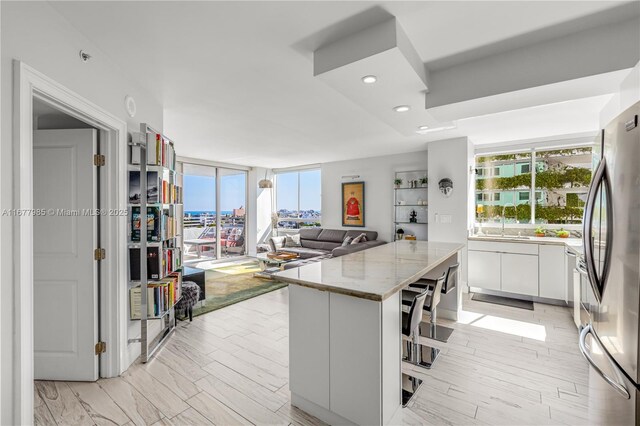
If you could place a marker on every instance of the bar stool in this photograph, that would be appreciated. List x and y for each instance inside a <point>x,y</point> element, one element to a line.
<point>433,330</point>
<point>418,354</point>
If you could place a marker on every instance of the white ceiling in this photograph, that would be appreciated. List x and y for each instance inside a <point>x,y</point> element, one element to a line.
<point>236,78</point>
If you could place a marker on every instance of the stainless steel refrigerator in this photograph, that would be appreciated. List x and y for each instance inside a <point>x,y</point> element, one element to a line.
<point>609,337</point>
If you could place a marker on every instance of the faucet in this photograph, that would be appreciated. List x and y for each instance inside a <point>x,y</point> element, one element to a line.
<point>503,219</point>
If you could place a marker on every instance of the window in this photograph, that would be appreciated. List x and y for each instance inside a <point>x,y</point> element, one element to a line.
<point>298,198</point>
<point>524,168</point>
<point>557,185</point>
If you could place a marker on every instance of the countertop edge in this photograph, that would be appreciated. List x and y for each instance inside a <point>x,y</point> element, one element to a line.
<point>376,297</point>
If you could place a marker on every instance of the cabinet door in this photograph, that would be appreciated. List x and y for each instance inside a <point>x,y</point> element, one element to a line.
<point>553,277</point>
<point>484,269</point>
<point>519,274</point>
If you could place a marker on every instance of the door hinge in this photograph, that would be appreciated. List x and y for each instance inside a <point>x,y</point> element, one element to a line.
<point>99,160</point>
<point>101,347</point>
<point>99,254</point>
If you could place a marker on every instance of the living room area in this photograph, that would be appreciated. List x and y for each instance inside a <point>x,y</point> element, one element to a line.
<point>311,212</point>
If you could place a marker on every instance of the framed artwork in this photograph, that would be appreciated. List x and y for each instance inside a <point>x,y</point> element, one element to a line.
<point>353,204</point>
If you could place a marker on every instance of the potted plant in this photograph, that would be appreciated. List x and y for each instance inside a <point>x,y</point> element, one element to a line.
<point>562,233</point>
<point>424,181</point>
<point>399,233</point>
<point>540,232</point>
<point>397,182</point>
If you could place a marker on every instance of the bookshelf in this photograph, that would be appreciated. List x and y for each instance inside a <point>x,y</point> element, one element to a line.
<point>411,196</point>
<point>155,284</point>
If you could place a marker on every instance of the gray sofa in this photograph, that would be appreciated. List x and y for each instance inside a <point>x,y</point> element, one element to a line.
<point>319,243</point>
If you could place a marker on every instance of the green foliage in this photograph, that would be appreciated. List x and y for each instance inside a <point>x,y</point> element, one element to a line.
<point>545,214</point>
<point>540,230</point>
<point>547,179</point>
<point>397,181</point>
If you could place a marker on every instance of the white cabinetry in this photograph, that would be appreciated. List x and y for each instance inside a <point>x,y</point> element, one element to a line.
<point>484,269</point>
<point>519,273</point>
<point>520,268</point>
<point>553,275</point>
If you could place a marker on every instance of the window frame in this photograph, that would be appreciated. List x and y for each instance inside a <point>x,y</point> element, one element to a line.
<point>533,191</point>
<point>275,201</point>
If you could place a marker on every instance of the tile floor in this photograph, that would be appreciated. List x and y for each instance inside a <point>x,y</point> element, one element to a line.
<point>501,366</point>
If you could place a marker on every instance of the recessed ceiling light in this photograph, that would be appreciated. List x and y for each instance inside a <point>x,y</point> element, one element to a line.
<point>423,127</point>
<point>402,108</point>
<point>422,131</point>
<point>369,79</point>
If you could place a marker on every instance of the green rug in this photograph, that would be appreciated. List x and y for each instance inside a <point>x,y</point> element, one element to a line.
<point>227,285</point>
<point>217,302</point>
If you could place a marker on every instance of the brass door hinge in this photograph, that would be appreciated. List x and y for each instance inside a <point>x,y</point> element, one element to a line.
<point>99,160</point>
<point>99,254</point>
<point>101,347</point>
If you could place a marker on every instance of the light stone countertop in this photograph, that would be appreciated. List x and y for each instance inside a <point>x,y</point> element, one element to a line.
<point>375,273</point>
<point>575,244</point>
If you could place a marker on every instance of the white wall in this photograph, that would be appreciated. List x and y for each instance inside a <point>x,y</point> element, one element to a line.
<point>451,159</point>
<point>260,208</point>
<point>628,95</point>
<point>378,174</point>
<point>37,35</point>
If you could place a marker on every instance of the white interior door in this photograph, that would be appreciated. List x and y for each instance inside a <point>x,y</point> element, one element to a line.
<point>65,274</point>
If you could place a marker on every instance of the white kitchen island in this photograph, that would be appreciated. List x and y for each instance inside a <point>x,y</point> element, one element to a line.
<point>345,329</point>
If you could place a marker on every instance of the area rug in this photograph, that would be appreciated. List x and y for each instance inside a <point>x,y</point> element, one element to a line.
<point>231,284</point>
<point>504,301</point>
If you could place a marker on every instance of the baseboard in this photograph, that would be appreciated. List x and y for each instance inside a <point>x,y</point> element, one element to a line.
<point>316,410</point>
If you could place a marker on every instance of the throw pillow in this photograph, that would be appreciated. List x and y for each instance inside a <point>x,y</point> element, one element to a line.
<point>347,241</point>
<point>276,243</point>
<point>292,241</point>
<point>359,239</point>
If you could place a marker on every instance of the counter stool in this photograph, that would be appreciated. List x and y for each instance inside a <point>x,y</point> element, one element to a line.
<point>418,354</point>
<point>432,330</point>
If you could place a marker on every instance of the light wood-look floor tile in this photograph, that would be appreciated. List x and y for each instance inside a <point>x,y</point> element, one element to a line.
<point>231,367</point>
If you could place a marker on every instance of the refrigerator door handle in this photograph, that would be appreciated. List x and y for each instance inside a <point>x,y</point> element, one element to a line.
<point>600,180</point>
<point>621,389</point>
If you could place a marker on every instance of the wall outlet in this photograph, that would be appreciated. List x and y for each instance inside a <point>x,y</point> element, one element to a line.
<point>445,218</point>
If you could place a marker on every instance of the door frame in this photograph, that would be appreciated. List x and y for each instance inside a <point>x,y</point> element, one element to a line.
<point>30,84</point>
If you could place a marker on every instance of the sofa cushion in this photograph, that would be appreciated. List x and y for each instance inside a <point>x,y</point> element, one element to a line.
<point>310,233</point>
<point>371,235</point>
<point>347,240</point>
<point>332,235</point>
<point>276,243</point>
<point>304,253</point>
<point>320,245</point>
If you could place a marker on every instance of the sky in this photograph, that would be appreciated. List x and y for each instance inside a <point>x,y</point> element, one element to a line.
<point>287,190</point>
<point>200,192</point>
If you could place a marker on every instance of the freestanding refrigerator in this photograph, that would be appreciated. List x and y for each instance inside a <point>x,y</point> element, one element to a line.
<point>609,340</point>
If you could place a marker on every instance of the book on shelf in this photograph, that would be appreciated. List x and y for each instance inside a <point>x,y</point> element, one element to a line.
<point>159,190</point>
<point>154,224</point>
<point>161,261</point>
<point>161,296</point>
<point>160,152</point>
<point>154,183</point>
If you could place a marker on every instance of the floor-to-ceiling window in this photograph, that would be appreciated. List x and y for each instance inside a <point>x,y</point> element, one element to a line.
<point>215,200</point>
<point>298,199</point>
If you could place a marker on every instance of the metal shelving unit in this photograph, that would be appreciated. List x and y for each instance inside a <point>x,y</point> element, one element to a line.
<point>167,316</point>
<point>406,199</point>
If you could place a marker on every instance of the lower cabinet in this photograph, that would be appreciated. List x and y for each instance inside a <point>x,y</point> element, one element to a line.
<point>519,273</point>
<point>518,268</point>
<point>484,269</point>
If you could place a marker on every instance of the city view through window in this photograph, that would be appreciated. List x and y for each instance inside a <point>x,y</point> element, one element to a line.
<point>298,199</point>
<point>556,181</point>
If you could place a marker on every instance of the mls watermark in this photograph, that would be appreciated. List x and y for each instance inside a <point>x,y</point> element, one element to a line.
<point>64,212</point>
